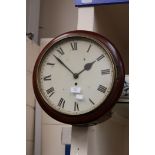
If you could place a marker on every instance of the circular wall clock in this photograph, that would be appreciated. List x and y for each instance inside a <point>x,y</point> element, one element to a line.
<point>78,77</point>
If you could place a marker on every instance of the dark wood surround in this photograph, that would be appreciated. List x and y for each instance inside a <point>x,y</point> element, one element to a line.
<point>100,113</point>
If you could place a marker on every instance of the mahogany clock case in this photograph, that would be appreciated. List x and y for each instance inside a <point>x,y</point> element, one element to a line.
<point>97,115</point>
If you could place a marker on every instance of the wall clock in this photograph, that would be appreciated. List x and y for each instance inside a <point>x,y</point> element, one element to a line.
<point>78,77</point>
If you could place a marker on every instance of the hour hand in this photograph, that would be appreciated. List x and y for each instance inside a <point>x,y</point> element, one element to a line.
<point>63,64</point>
<point>87,67</point>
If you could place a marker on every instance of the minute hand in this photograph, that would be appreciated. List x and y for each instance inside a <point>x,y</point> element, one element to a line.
<point>63,64</point>
<point>87,67</point>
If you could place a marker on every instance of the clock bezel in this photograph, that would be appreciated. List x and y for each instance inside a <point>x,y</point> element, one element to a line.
<point>96,114</point>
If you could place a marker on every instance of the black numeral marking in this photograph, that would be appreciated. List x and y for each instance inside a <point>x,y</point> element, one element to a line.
<point>91,101</point>
<point>48,63</point>
<point>105,71</point>
<point>100,57</point>
<point>74,45</point>
<point>89,48</point>
<point>61,103</point>
<point>50,91</point>
<point>101,88</point>
<point>60,50</point>
<point>48,77</point>
<point>76,106</point>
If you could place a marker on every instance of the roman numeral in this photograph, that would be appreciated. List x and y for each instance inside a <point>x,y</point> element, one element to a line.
<point>50,64</point>
<point>50,91</point>
<point>48,77</point>
<point>61,103</point>
<point>100,57</point>
<point>74,45</point>
<point>91,101</point>
<point>60,51</point>
<point>89,48</point>
<point>101,88</point>
<point>105,71</point>
<point>76,106</point>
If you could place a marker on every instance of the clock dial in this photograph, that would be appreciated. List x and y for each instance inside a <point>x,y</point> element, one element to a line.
<point>76,75</point>
<point>78,78</point>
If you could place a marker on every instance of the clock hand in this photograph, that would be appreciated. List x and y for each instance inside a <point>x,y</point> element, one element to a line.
<point>87,67</point>
<point>64,65</point>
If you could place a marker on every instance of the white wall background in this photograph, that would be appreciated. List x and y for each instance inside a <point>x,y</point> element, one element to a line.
<point>56,17</point>
<point>32,51</point>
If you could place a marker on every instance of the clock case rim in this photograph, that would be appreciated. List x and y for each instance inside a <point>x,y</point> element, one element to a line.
<point>100,113</point>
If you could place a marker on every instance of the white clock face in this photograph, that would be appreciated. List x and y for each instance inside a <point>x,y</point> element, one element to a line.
<point>76,75</point>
